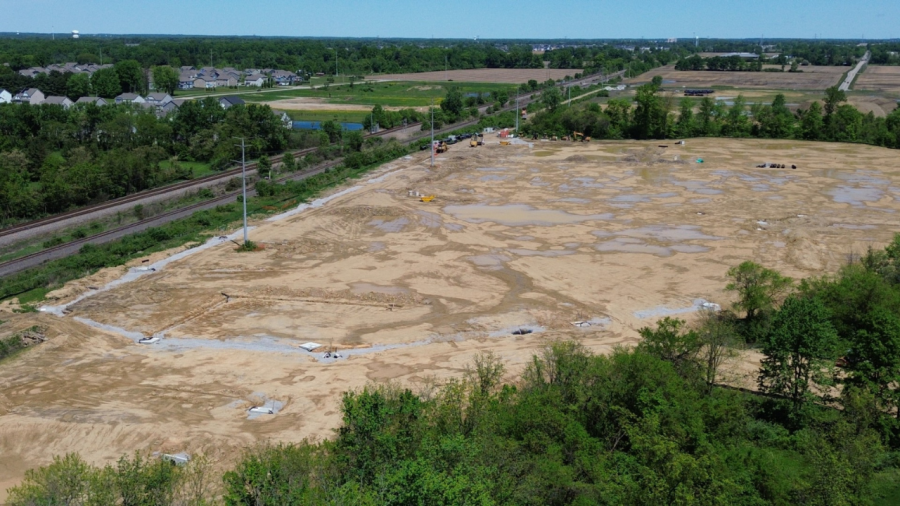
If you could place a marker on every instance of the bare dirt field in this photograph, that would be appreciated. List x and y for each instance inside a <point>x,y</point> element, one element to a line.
<point>812,78</point>
<point>613,234</point>
<point>514,76</point>
<point>879,78</point>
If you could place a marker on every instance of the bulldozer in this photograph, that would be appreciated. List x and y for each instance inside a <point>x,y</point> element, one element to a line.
<point>440,147</point>
<point>578,136</point>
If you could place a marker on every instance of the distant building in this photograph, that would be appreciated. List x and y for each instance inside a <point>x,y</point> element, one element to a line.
<point>130,98</point>
<point>255,80</point>
<point>65,102</point>
<point>5,96</point>
<point>286,121</point>
<point>230,101</point>
<point>158,99</point>
<point>91,100</point>
<point>31,96</point>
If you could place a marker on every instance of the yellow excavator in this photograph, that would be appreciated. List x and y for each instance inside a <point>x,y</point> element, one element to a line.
<point>440,147</point>
<point>578,136</point>
<point>477,140</point>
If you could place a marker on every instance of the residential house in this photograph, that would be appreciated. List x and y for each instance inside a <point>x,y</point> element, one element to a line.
<point>33,71</point>
<point>186,81</point>
<point>63,101</point>
<point>255,80</point>
<point>286,120</point>
<point>285,78</point>
<point>202,82</point>
<point>5,96</point>
<point>229,101</point>
<point>169,107</point>
<point>130,98</point>
<point>158,99</point>
<point>224,80</point>
<point>31,96</point>
<point>91,100</point>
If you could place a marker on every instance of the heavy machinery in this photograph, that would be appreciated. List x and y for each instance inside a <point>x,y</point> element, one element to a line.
<point>440,147</point>
<point>578,136</point>
<point>477,140</point>
<point>427,198</point>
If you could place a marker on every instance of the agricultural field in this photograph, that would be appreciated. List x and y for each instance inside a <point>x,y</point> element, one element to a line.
<point>519,243</point>
<point>878,78</point>
<point>509,76</point>
<point>812,78</point>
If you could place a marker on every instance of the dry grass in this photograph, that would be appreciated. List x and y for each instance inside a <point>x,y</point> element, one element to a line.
<point>512,76</point>
<point>812,78</point>
<point>879,78</point>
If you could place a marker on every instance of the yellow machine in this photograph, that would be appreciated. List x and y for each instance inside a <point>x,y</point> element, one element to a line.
<point>477,140</point>
<point>441,147</point>
<point>578,136</point>
<point>504,143</point>
<point>428,198</point>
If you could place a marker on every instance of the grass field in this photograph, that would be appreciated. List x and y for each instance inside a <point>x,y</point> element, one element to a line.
<point>510,76</point>
<point>326,115</point>
<point>389,94</point>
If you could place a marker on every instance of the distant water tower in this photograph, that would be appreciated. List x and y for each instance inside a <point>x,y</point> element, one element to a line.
<point>74,34</point>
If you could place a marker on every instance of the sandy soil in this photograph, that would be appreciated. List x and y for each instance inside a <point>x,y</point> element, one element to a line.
<point>812,78</point>
<point>616,233</point>
<point>481,75</point>
<point>323,104</point>
<point>879,78</point>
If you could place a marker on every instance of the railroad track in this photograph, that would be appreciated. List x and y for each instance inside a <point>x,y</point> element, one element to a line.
<point>53,253</point>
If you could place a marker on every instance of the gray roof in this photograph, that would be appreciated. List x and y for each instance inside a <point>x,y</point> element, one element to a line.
<point>87,100</point>
<point>56,100</point>
<point>158,96</point>
<point>233,100</point>
<point>128,96</point>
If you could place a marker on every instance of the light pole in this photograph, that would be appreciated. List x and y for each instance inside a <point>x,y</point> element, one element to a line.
<point>244,185</point>
<point>517,111</point>
<point>335,63</point>
<point>432,132</point>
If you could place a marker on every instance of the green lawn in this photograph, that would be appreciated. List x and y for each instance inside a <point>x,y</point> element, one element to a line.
<point>199,169</point>
<point>392,94</point>
<point>342,116</point>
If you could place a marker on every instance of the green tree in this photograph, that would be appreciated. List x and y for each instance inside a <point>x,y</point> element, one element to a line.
<point>672,343</point>
<point>289,162</point>
<point>812,124</point>
<point>64,481</point>
<point>833,97</point>
<point>718,342</point>
<point>798,349</point>
<point>452,105</point>
<point>165,78</point>
<point>78,85</point>
<point>105,83</point>
<point>264,166</point>
<point>758,288</point>
<point>684,126</point>
<point>651,114</point>
<point>551,98</point>
<point>131,76</point>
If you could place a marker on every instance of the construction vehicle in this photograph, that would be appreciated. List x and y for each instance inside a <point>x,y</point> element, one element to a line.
<point>440,147</point>
<point>578,136</point>
<point>504,143</point>
<point>477,140</point>
<point>427,198</point>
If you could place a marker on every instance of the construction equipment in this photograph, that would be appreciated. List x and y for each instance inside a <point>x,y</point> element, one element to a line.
<point>427,198</point>
<point>477,140</point>
<point>440,147</point>
<point>504,143</point>
<point>577,136</point>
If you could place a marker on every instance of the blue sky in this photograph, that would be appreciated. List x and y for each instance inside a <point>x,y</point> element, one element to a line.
<point>461,19</point>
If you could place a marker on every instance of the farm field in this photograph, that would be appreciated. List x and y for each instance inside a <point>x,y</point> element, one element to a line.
<point>614,234</point>
<point>812,78</point>
<point>510,76</point>
<point>885,79</point>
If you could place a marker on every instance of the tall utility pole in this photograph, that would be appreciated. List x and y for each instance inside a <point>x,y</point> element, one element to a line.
<point>335,63</point>
<point>432,132</point>
<point>517,111</point>
<point>244,185</point>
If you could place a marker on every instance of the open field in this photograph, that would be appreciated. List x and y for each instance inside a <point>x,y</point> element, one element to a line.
<point>512,76</point>
<point>614,233</point>
<point>812,78</point>
<point>880,78</point>
<point>365,96</point>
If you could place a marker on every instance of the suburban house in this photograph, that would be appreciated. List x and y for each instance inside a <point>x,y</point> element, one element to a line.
<point>63,101</point>
<point>130,98</point>
<point>186,81</point>
<point>285,78</point>
<point>169,107</point>
<point>158,99</point>
<point>5,96</point>
<point>225,80</point>
<point>32,96</point>
<point>286,120</point>
<point>91,100</point>
<point>229,101</point>
<point>255,80</point>
<point>203,82</point>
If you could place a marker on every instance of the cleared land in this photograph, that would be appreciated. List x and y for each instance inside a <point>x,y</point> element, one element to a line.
<point>614,233</point>
<point>880,78</point>
<point>513,76</point>
<point>812,78</point>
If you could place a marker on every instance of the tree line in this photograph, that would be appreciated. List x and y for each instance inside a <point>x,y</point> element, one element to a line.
<point>649,116</point>
<point>653,424</point>
<point>53,159</point>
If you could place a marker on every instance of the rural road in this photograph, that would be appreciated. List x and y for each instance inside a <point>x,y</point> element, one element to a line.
<point>845,86</point>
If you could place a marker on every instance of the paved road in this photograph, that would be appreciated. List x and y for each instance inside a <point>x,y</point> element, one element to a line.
<point>845,86</point>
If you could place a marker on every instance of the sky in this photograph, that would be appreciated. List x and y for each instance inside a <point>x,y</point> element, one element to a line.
<point>488,19</point>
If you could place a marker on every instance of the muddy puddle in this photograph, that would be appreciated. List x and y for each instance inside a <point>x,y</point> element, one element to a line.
<point>519,215</point>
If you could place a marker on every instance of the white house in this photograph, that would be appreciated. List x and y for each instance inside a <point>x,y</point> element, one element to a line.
<point>286,121</point>
<point>130,98</point>
<point>158,99</point>
<point>5,96</point>
<point>255,80</point>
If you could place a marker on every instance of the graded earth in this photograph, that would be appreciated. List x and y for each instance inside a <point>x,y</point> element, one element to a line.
<point>519,244</point>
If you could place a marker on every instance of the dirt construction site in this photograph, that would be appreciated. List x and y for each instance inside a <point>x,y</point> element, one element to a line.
<point>520,246</point>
